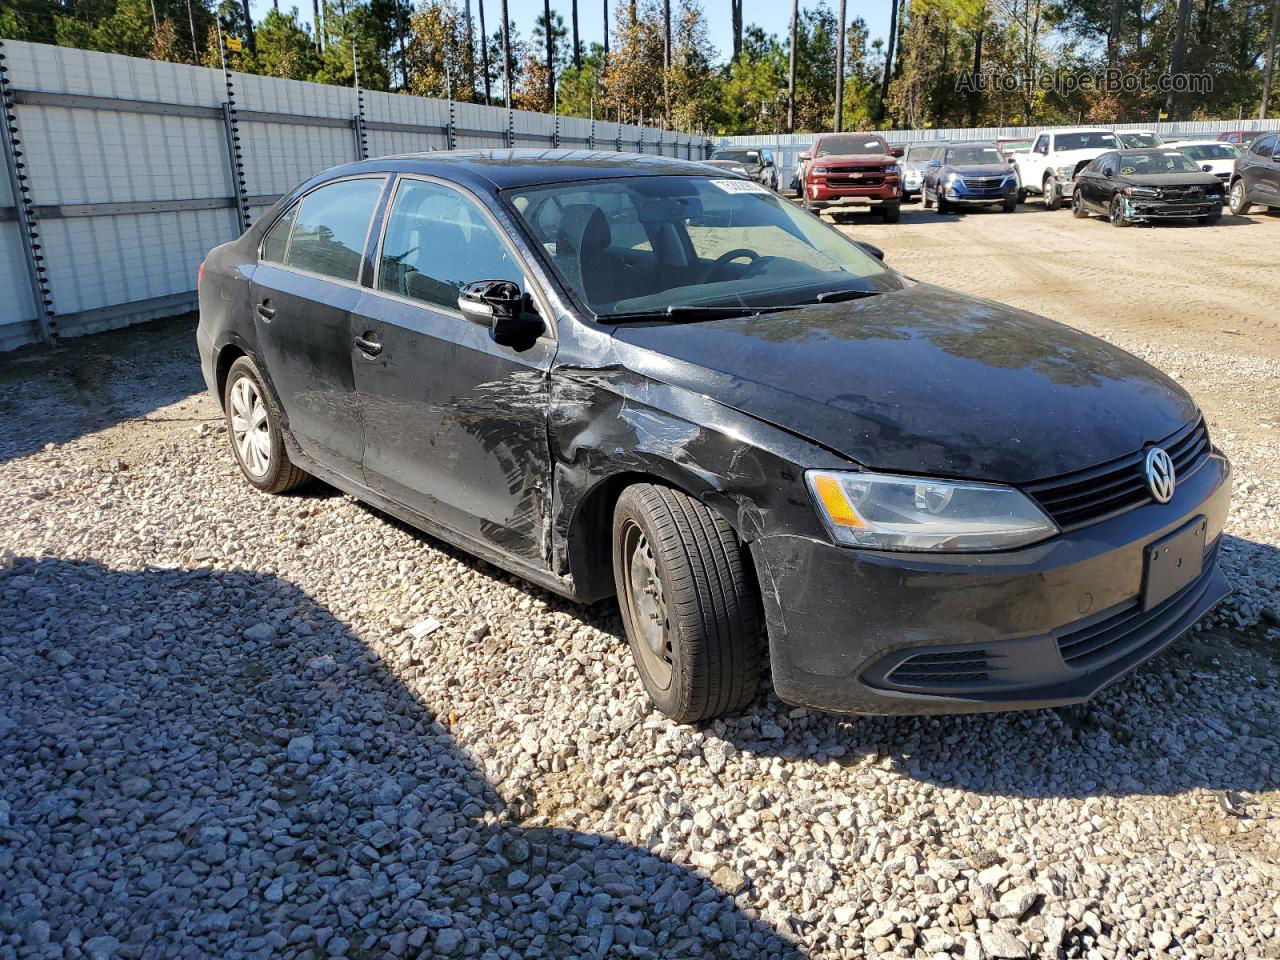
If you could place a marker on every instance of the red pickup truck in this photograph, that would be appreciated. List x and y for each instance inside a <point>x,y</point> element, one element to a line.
<point>853,169</point>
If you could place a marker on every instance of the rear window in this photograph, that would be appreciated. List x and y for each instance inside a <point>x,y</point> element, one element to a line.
<point>331,228</point>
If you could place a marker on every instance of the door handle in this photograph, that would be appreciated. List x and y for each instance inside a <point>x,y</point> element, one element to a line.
<point>266,310</point>
<point>369,345</point>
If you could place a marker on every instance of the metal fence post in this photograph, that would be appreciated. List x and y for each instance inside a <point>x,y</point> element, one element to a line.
<point>357,122</point>
<point>20,187</point>
<point>234,157</point>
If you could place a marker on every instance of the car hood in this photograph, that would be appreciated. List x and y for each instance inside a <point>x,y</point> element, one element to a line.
<point>925,380</point>
<point>856,159</point>
<point>1199,178</point>
<point>980,169</point>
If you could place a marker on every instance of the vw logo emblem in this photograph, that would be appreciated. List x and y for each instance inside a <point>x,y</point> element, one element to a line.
<point>1161,480</point>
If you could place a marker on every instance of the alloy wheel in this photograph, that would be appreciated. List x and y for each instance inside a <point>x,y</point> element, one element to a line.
<point>250,428</point>
<point>1050,193</point>
<point>1237,196</point>
<point>646,608</point>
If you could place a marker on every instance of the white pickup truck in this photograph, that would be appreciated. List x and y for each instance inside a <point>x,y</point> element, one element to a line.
<point>1050,166</point>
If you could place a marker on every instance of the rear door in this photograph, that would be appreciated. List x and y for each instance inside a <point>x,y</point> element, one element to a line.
<point>455,424</point>
<point>304,288</point>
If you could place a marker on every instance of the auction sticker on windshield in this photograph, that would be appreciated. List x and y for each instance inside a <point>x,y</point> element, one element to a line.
<point>740,186</point>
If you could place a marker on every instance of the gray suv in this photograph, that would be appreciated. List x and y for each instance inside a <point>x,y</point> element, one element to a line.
<point>1256,178</point>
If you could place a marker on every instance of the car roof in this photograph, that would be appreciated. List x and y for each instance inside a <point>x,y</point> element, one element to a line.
<point>1087,130</point>
<point>1198,143</point>
<point>523,167</point>
<point>1143,151</point>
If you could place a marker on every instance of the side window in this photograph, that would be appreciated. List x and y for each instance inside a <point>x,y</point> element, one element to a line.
<point>276,241</point>
<point>331,228</point>
<point>437,240</point>
<point>1264,146</point>
<point>1042,144</point>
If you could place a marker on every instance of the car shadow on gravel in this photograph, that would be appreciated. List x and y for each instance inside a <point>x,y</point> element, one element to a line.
<point>207,763</point>
<point>1203,714</point>
<point>89,384</point>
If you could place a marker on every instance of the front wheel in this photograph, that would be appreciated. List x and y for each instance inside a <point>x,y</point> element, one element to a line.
<point>1051,199</point>
<point>254,427</point>
<point>943,205</point>
<point>927,200</point>
<point>890,212</point>
<point>1240,204</point>
<point>688,601</point>
<point>1010,203</point>
<point>1077,206</point>
<point>1117,214</point>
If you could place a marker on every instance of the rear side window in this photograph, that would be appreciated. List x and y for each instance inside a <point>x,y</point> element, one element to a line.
<point>437,240</point>
<point>1264,146</point>
<point>277,240</point>
<point>331,228</point>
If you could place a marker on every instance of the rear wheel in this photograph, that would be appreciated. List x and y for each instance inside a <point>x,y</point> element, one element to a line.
<point>1050,199</point>
<point>1116,212</point>
<point>254,428</point>
<point>890,212</point>
<point>689,604</point>
<point>1240,204</point>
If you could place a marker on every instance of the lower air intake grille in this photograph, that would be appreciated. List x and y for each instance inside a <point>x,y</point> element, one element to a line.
<point>960,668</point>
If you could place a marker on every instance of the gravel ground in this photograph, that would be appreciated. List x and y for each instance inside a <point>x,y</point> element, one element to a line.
<point>236,725</point>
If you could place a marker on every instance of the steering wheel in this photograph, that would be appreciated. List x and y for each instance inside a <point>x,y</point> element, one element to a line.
<point>726,258</point>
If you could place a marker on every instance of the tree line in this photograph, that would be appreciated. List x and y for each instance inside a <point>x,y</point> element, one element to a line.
<point>944,63</point>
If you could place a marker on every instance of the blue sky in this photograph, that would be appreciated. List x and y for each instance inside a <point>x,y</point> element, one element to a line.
<point>773,15</point>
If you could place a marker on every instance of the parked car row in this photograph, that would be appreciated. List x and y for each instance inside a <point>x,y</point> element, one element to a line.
<point>1129,176</point>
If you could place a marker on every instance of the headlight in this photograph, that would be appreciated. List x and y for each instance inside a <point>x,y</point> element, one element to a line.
<point>891,168</point>
<point>952,179</point>
<point>1065,171</point>
<point>917,513</point>
<point>1140,192</point>
<point>819,169</point>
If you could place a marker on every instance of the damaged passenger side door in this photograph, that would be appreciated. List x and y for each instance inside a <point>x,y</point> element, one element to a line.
<point>455,423</point>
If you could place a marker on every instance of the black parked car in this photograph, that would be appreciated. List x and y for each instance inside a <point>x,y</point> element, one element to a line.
<point>756,164</point>
<point>1257,176</point>
<point>625,375</point>
<point>1138,186</point>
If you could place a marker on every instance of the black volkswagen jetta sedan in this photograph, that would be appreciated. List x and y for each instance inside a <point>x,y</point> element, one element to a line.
<point>1138,186</point>
<point>616,374</point>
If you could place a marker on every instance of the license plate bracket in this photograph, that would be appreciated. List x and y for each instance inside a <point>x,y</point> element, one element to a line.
<point>1173,562</point>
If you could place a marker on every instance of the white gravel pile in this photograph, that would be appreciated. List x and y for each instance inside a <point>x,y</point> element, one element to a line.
<point>236,725</point>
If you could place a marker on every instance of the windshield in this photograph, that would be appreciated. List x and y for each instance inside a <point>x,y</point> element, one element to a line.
<point>737,156</point>
<point>971,156</point>
<point>1167,161</point>
<point>840,146</point>
<point>1140,140</point>
<point>1085,141</point>
<point>1015,146</point>
<point>1211,151</point>
<point>650,243</point>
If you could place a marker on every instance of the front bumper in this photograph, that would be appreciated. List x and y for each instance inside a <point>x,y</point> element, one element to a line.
<point>1173,210</point>
<point>822,195</point>
<point>1041,626</point>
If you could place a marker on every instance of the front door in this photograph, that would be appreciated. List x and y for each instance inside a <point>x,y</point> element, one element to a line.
<point>304,289</point>
<point>455,424</point>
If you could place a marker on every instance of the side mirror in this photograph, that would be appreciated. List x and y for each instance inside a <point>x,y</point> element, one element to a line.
<point>896,151</point>
<point>1207,168</point>
<point>501,305</point>
<point>933,164</point>
<point>871,249</point>
<point>806,155</point>
<point>1108,172</point>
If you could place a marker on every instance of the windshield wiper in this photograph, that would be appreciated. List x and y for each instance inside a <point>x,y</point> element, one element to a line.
<point>691,313</point>
<point>835,296</point>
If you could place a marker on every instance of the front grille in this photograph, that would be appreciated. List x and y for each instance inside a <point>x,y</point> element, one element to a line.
<point>983,183</point>
<point>1182,193</point>
<point>866,180</point>
<point>958,668</point>
<point>1129,628</point>
<point>1087,496</point>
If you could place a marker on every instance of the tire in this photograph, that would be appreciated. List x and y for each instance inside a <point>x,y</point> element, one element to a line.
<point>890,212</point>
<point>697,639</point>
<point>1022,195</point>
<point>1239,200</point>
<point>1210,220</point>
<point>251,411</point>
<point>943,206</point>
<point>924,197</point>
<point>1116,212</point>
<point>1051,200</point>
<point>1010,203</point>
<point>1078,209</point>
